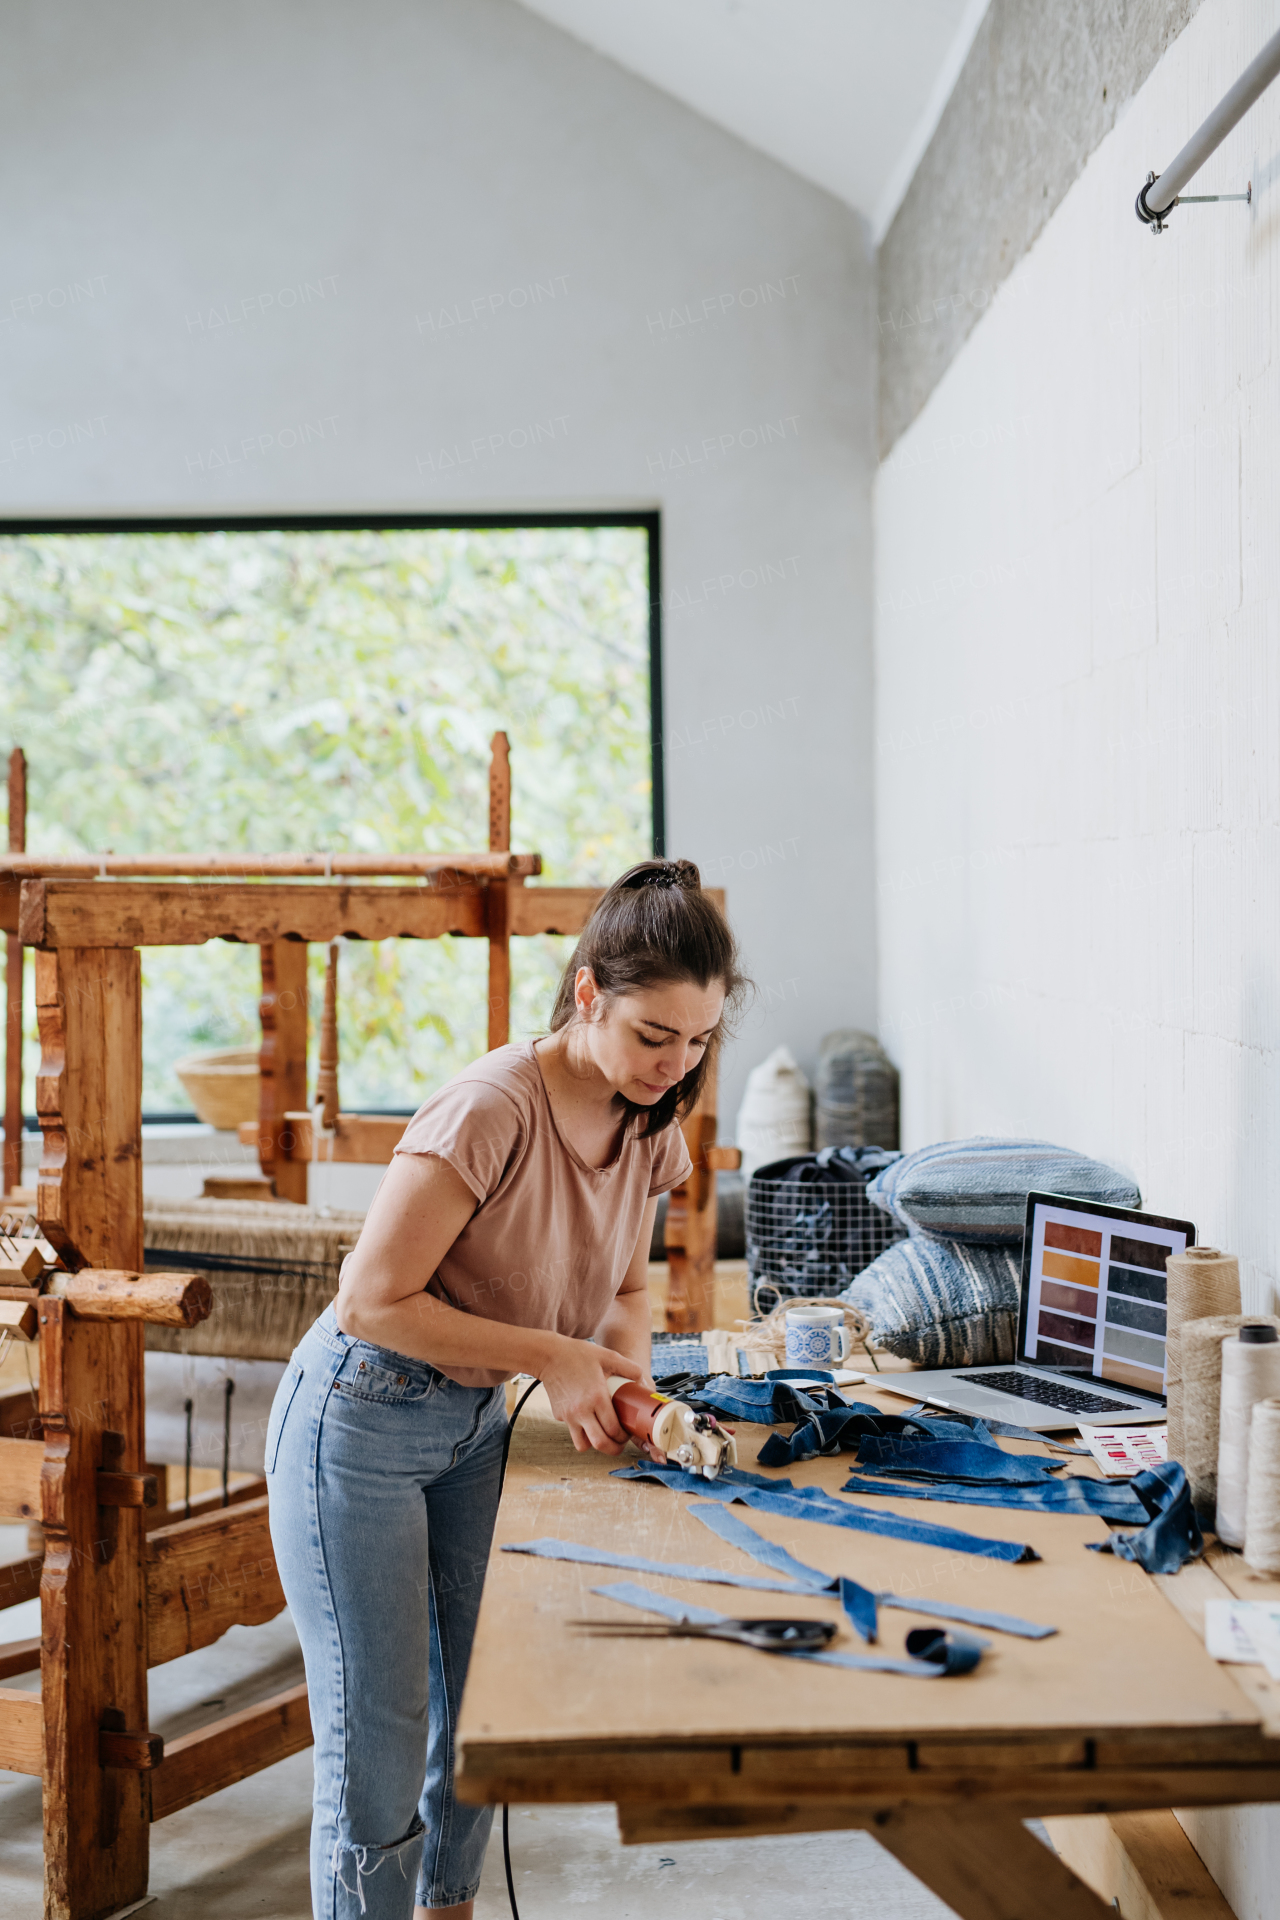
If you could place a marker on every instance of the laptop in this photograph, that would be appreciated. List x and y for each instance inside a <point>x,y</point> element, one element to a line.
<point>1091,1323</point>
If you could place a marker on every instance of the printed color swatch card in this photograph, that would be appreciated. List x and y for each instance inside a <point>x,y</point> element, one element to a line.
<point>1247,1631</point>
<point>1122,1451</point>
<point>1097,1297</point>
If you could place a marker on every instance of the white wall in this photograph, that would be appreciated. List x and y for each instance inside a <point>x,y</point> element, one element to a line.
<point>1078,788</point>
<point>173,162</point>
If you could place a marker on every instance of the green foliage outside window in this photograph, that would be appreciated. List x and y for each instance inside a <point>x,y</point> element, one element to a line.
<point>281,691</point>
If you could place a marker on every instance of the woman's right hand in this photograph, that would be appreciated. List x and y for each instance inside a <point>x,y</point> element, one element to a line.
<point>576,1376</point>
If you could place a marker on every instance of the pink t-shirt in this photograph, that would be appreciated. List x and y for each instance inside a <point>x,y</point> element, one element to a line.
<point>552,1238</point>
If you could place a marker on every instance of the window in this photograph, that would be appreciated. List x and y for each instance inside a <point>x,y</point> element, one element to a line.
<point>305,686</point>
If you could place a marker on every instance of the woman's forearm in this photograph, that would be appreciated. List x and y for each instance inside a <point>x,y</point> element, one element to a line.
<point>626,1327</point>
<point>423,1327</point>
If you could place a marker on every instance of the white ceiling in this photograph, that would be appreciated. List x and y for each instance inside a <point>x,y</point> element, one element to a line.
<point>845,92</point>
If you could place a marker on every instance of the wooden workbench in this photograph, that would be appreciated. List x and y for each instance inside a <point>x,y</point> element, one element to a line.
<point>1121,1710</point>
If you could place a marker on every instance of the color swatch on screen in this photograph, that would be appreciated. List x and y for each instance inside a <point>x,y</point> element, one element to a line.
<point>1097,1297</point>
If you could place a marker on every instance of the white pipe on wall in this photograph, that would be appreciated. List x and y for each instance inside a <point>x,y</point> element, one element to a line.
<point>1159,195</point>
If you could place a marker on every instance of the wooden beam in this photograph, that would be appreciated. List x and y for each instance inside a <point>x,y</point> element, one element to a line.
<point>200,1763</point>
<point>93,1593</point>
<point>136,1750</point>
<point>207,1574</point>
<point>552,909</point>
<point>499,903</point>
<point>20,1581</point>
<point>13,968</point>
<point>21,1462</point>
<point>205,1503</point>
<point>88,913</point>
<point>1141,1862</point>
<point>985,1865</point>
<point>21,1732</point>
<point>327,1050</point>
<point>690,1230</point>
<point>442,867</point>
<point>162,1299</point>
<point>20,1415</point>
<point>19,1656</point>
<point>362,1139</point>
<point>282,1063</point>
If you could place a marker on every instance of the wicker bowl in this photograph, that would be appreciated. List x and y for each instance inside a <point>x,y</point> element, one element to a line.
<point>222,1087</point>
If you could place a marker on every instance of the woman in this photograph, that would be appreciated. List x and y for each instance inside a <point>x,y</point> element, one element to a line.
<point>511,1232</point>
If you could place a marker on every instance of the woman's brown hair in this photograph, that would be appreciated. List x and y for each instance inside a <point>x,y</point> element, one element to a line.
<point>654,926</point>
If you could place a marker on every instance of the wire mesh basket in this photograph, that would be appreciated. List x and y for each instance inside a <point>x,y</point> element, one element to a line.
<point>809,1238</point>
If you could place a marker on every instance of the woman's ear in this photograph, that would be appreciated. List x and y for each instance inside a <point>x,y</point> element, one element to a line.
<point>587,997</point>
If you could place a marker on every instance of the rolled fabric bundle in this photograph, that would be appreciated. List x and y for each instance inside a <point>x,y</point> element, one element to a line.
<point>1250,1373</point>
<point>1201,1388</point>
<point>1262,1502</point>
<point>1201,1282</point>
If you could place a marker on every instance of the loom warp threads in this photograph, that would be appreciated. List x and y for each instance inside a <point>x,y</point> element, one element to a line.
<point>1250,1373</point>
<point>1202,1281</point>
<point>1262,1503</point>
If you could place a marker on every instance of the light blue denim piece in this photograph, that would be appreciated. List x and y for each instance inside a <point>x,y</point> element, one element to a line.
<point>383,1477</point>
<point>976,1190</point>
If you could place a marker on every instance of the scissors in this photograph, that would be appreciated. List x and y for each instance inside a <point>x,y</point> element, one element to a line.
<point>767,1636</point>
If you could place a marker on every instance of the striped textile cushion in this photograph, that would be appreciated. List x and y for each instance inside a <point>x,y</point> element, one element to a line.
<point>975,1191</point>
<point>942,1305</point>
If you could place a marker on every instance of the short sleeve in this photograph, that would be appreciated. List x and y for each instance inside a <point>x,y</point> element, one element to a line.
<point>671,1165</point>
<point>474,1127</point>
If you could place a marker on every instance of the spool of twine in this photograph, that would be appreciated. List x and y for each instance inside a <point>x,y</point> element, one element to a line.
<point>1201,1387</point>
<point>1262,1502</point>
<point>1202,1282</point>
<point>1250,1373</point>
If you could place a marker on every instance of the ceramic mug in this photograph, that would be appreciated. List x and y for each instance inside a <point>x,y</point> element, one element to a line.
<point>816,1337</point>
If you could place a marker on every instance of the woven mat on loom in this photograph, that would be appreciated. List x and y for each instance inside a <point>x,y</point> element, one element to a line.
<point>273,1269</point>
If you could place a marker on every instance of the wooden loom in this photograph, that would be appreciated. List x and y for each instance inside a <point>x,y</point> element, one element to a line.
<point>119,1596</point>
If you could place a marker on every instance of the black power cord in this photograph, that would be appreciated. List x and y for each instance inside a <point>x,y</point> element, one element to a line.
<point>506,1837</point>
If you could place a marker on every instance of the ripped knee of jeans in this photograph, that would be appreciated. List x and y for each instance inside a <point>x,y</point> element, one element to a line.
<point>366,1860</point>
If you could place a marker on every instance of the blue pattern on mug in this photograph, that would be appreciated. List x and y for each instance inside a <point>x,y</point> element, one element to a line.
<point>812,1343</point>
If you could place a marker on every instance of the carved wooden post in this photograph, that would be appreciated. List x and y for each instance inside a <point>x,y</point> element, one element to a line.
<point>327,1053</point>
<point>690,1232</point>
<point>499,893</point>
<point>93,1592</point>
<point>282,1063</point>
<point>13,987</point>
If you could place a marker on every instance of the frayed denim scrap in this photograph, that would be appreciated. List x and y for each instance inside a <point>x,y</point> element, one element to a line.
<point>1173,1534</point>
<point>1099,1498</point>
<point>810,1503</point>
<point>841,1429</point>
<point>970,1460</point>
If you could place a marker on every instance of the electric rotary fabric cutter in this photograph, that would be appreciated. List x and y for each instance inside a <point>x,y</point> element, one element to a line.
<point>658,1424</point>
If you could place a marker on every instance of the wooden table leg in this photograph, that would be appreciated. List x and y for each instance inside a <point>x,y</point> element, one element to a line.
<point>986,1865</point>
<point>93,1592</point>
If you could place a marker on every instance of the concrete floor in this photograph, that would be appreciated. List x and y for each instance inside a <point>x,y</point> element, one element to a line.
<point>242,1854</point>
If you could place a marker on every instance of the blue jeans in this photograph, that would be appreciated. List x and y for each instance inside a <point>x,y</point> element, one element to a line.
<point>383,1477</point>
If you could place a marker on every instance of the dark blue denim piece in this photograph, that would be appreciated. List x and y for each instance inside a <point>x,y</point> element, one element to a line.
<point>953,1652</point>
<point>1173,1536</point>
<point>907,1455</point>
<point>940,1653</point>
<point>1005,1429</point>
<point>1109,1500</point>
<point>809,1503</point>
<point>766,1401</point>
<point>738,1534</point>
<point>860,1605</point>
<point>842,1428</point>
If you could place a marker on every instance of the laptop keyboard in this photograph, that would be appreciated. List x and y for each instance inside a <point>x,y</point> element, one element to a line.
<point>1051,1393</point>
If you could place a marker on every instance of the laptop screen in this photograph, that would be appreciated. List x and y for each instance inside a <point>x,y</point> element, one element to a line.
<point>1094,1289</point>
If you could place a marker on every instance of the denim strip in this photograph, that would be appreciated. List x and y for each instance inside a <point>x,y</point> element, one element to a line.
<point>954,1460</point>
<point>1105,1500</point>
<point>738,1534</point>
<point>832,1430</point>
<point>634,1563</point>
<point>1005,1429</point>
<point>945,1653</point>
<point>809,1503</point>
<point>1173,1534</point>
<point>859,1604</point>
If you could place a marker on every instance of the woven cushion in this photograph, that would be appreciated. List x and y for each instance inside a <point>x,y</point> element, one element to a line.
<point>975,1191</point>
<point>940,1304</point>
